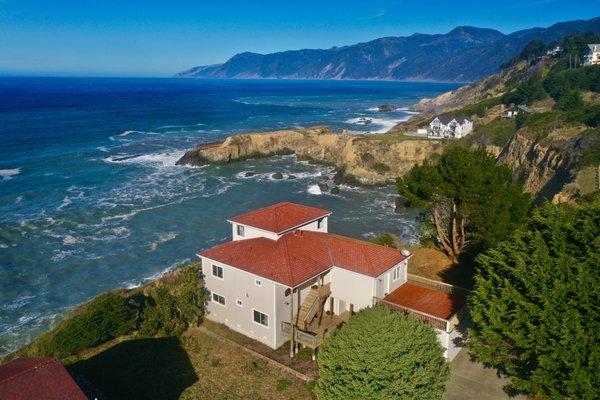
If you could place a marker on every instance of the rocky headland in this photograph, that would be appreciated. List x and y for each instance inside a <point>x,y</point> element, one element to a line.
<point>359,159</point>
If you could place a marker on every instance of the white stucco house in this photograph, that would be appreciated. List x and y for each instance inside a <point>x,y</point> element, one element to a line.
<point>593,57</point>
<point>284,277</point>
<point>449,127</point>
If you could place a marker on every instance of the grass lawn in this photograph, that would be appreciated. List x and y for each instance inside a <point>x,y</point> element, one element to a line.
<point>195,367</point>
<point>391,137</point>
<point>433,264</point>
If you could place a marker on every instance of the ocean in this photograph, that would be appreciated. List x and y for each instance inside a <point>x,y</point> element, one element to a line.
<point>91,199</point>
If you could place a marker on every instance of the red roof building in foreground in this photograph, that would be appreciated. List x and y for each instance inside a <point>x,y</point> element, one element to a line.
<point>283,270</point>
<point>280,217</point>
<point>37,378</point>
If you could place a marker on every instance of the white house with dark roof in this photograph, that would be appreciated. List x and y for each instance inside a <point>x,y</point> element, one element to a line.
<point>283,277</point>
<point>449,127</point>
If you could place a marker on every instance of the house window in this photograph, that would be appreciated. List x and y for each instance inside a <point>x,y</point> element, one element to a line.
<point>240,230</point>
<point>260,318</point>
<point>258,282</point>
<point>320,223</point>
<point>217,298</point>
<point>217,271</point>
<point>396,274</point>
<point>239,303</point>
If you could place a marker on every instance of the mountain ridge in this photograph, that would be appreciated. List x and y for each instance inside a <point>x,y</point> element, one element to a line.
<point>464,54</point>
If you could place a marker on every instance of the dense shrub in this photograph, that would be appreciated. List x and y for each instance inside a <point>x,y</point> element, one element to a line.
<point>380,354</point>
<point>161,315</point>
<point>381,168</point>
<point>535,304</point>
<point>526,92</point>
<point>498,132</point>
<point>107,317</point>
<point>191,296</point>
<point>385,239</point>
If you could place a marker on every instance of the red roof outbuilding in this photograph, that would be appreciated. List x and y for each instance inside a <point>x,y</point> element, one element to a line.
<point>37,378</point>
<point>280,217</point>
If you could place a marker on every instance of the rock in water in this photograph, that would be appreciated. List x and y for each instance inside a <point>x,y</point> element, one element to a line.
<point>335,190</point>
<point>400,206</point>
<point>387,108</point>
<point>324,177</point>
<point>249,174</point>
<point>323,186</point>
<point>291,176</point>
<point>277,175</point>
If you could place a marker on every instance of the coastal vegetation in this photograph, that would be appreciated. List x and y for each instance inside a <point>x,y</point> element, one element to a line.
<point>471,201</point>
<point>159,309</point>
<point>535,304</point>
<point>380,354</point>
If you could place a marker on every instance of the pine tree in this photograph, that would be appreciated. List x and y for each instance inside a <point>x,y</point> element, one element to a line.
<point>536,304</point>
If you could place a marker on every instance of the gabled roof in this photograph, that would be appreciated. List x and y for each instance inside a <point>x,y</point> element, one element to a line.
<point>280,217</point>
<point>37,378</point>
<point>301,255</point>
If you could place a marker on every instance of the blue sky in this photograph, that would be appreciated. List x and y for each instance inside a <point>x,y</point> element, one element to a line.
<point>159,38</point>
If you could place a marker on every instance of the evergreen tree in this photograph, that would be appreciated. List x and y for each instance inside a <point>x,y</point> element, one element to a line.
<point>470,199</point>
<point>536,304</point>
<point>380,354</point>
<point>192,296</point>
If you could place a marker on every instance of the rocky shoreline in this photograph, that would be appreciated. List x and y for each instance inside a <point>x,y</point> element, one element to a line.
<point>358,159</point>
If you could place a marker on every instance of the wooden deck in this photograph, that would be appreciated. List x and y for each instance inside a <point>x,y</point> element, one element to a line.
<point>316,334</point>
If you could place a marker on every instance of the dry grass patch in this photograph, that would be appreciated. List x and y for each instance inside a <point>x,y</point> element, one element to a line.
<point>433,264</point>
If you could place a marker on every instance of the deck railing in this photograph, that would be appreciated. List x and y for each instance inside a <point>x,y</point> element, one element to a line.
<point>437,322</point>
<point>436,285</point>
<point>308,339</point>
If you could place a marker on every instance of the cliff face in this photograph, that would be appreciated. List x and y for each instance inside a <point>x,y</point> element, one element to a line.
<point>376,159</point>
<point>546,167</point>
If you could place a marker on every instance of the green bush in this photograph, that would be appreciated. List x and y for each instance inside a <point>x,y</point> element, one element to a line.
<point>385,239</point>
<point>161,315</point>
<point>380,354</point>
<point>107,317</point>
<point>381,168</point>
<point>366,156</point>
<point>498,132</point>
<point>192,296</point>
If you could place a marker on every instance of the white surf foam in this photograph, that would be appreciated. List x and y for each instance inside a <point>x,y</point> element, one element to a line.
<point>163,238</point>
<point>314,189</point>
<point>7,174</point>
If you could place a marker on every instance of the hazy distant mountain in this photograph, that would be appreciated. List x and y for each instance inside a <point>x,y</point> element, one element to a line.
<point>464,54</point>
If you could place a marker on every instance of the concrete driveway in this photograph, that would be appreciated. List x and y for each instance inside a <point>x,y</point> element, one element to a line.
<point>472,381</point>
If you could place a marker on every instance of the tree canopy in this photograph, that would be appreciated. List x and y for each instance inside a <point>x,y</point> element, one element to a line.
<point>471,201</point>
<point>536,304</point>
<point>380,354</point>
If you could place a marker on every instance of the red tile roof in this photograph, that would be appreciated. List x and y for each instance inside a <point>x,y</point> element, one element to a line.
<point>280,217</point>
<point>429,301</point>
<point>37,378</point>
<point>301,255</point>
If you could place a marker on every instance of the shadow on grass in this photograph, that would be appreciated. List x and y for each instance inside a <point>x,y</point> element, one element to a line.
<point>140,369</point>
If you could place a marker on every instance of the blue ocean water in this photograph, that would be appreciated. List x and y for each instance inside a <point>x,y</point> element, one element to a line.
<point>91,199</point>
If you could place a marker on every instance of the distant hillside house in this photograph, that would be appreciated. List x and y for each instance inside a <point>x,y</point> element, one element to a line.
<point>513,111</point>
<point>554,51</point>
<point>449,127</point>
<point>284,277</point>
<point>593,58</point>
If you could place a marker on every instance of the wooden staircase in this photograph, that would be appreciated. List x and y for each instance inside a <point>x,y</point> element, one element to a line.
<point>312,306</point>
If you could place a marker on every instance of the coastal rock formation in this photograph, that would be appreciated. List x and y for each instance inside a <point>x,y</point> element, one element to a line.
<point>360,159</point>
<point>546,166</point>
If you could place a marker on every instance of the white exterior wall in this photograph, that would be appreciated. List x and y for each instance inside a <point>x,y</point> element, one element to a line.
<point>448,342</point>
<point>385,283</point>
<point>240,285</point>
<point>251,232</point>
<point>467,127</point>
<point>351,288</point>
